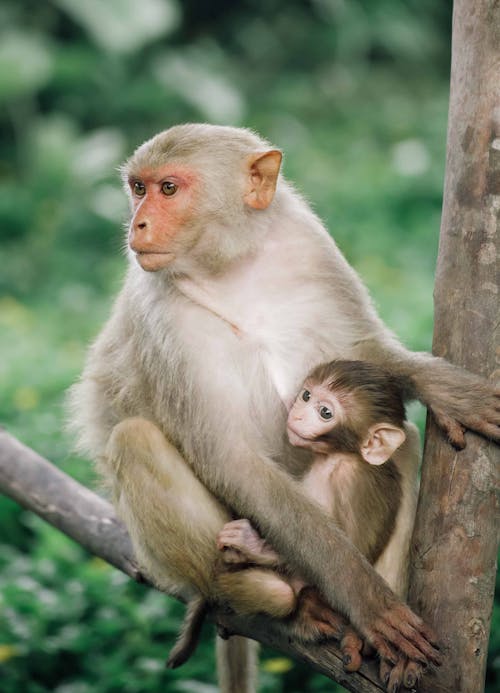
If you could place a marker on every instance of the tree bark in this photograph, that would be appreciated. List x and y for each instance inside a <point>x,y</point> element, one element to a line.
<point>456,537</point>
<point>39,486</point>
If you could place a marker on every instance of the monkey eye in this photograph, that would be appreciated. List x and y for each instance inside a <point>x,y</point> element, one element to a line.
<point>306,395</point>
<point>325,413</point>
<point>168,188</point>
<point>139,189</point>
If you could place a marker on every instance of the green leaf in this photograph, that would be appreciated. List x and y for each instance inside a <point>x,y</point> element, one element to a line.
<point>123,26</point>
<point>26,63</point>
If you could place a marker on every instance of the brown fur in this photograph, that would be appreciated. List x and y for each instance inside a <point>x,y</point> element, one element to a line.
<point>366,499</point>
<point>366,507</point>
<point>370,393</point>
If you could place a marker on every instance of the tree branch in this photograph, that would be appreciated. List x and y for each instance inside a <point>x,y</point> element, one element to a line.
<point>39,486</point>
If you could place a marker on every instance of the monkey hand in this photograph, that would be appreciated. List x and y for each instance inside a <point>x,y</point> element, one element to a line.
<point>459,400</point>
<point>240,543</point>
<point>314,621</point>
<point>397,633</point>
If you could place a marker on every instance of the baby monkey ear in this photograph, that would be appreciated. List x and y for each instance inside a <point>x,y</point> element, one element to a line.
<point>382,441</point>
<point>263,170</point>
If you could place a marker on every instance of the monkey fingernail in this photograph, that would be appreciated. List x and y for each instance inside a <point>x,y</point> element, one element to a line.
<point>410,680</point>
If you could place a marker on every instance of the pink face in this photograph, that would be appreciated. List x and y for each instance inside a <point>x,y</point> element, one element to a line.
<point>315,411</point>
<point>162,202</point>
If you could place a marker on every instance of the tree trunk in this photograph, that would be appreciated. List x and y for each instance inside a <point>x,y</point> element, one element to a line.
<point>456,539</point>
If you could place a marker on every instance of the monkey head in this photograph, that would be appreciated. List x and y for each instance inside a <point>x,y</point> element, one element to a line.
<point>192,190</point>
<point>350,407</point>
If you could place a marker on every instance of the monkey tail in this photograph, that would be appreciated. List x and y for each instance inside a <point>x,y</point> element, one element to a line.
<point>237,659</point>
<point>189,633</point>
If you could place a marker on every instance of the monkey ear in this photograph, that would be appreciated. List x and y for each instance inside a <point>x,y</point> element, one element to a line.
<point>382,441</point>
<point>263,170</point>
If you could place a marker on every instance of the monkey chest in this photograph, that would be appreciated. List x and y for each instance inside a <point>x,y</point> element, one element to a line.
<point>277,339</point>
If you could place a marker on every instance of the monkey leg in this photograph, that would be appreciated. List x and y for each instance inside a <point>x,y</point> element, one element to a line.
<point>307,617</point>
<point>172,519</point>
<point>394,561</point>
<point>254,590</point>
<point>173,522</point>
<point>313,619</point>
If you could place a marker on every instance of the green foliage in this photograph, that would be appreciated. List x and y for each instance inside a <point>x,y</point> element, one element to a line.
<point>356,95</point>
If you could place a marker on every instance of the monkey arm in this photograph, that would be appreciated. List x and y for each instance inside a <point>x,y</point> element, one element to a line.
<point>458,399</point>
<point>313,545</point>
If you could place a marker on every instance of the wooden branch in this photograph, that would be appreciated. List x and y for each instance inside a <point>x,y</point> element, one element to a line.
<point>456,538</point>
<point>39,486</point>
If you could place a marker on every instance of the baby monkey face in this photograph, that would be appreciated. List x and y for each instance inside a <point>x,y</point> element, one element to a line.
<point>315,412</point>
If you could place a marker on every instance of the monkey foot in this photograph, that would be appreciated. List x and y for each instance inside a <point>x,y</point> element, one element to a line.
<point>240,543</point>
<point>313,620</point>
<point>405,674</point>
<point>351,646</point>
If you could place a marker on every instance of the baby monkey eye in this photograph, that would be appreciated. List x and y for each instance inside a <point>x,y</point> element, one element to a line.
<point>325,413</point>
<point>168,188</point>
<point>139,189</point>
<point>306,395</point>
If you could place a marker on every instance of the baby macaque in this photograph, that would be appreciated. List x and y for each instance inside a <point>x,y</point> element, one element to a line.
<point>351,415</point>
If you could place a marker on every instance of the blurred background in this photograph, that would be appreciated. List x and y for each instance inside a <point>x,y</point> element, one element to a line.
<point>354,91</point>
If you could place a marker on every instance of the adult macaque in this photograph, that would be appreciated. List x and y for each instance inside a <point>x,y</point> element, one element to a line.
<point>234,292</point>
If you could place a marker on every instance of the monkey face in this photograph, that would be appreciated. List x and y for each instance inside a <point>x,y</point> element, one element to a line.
<point>314,413</point>
<point>162,202</point>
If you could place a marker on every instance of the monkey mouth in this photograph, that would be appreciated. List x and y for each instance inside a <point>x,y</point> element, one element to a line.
<point>296,439</point>
<point>153,261</point>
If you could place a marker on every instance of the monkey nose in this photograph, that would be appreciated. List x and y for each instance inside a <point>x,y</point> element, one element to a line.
<point>141,225</point>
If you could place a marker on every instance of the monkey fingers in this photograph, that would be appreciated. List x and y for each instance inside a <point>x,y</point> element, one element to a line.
<point>464,400</point>
<point>453,429</point>
<point>413,674</point>
<point>314,620</point>
<point>351,646</point>
<point>234,557</point>
<point>400,628</point>
<point>241,543</point>
<point>404,673</point>
<point>489,428</point>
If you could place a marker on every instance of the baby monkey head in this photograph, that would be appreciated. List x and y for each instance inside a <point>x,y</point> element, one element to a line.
<point>351,407</point>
